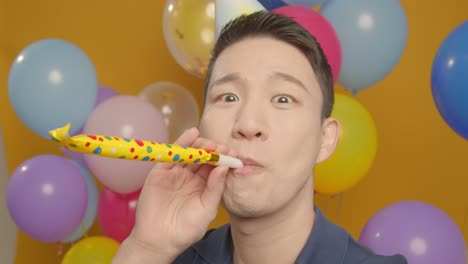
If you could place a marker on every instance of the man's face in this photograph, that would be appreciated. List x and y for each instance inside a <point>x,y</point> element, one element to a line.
<point>265,101</point>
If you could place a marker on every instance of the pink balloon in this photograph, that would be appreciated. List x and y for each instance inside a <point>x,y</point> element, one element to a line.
<point>319,27</point>
<point>116,213</point>
<point>124,116</point>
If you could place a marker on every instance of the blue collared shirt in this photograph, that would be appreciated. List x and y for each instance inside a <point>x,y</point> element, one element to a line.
<point>327,244</point>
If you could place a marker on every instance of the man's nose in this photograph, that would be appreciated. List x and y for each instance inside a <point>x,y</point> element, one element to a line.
<point>250,123</point>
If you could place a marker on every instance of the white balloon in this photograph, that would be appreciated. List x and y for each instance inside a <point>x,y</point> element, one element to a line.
<point>226,10</point>
<point>177,105</point>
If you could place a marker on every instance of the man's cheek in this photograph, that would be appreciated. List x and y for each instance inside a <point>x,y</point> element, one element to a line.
<point>212,125</point>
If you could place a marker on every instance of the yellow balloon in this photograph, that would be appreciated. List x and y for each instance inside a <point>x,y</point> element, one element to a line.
<point>189,31</point>
<point>92,250</point>
<point>355,151</point>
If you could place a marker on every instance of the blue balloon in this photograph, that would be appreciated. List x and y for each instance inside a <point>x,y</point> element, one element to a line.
<point>449,79</point>
<point>272,4</point>
<point>52,82</point>
<point>307,3</point>
<point>373,36</point>
<point>91,209</point>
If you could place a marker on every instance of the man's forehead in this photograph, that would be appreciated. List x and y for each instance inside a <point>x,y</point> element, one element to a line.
<point>277,76</point>
<point>262,58</point>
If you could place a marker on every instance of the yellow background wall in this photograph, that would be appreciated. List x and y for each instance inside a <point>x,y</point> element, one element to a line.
<point>418,157</point>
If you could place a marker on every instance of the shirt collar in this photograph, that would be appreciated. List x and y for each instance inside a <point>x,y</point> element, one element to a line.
<point>327,242</point>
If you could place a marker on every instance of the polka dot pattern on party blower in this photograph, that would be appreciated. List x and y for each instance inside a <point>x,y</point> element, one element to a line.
<point>135,149</point>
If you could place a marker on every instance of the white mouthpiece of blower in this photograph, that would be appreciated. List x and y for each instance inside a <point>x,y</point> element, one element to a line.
<point>230,162</point>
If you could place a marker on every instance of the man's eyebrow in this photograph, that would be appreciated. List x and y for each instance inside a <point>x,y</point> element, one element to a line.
<point>231,77</point>
<point>289,78</point>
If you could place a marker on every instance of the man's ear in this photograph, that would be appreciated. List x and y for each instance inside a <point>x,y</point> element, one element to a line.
<point>331,131</point>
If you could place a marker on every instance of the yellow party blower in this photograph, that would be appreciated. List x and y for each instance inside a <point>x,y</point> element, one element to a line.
<point>135,149</point>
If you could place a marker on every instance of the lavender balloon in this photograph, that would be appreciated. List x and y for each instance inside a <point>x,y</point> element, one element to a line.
<point>104,93</point>
<point>421,232</point>
<point>91,209</point>
<point>47,197</point>
<point>76,156</point>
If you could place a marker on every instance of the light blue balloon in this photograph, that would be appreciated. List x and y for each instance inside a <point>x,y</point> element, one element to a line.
<point>307,3</point>
<point>373,35</point>
<point>51,83</point>
<point>91,209</point>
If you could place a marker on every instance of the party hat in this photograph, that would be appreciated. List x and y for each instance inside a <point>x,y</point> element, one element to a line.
<point>226,10</point>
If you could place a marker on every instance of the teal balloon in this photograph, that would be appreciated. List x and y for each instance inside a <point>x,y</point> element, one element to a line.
<point>91,209</point>
<point>373,35</point>
<point>52,82</point>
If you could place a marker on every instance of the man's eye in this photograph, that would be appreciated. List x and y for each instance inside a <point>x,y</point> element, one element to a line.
<point>229,98</point>
<point>282,99</point>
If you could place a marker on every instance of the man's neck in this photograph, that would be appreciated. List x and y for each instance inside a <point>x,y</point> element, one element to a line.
<point>277,238</point>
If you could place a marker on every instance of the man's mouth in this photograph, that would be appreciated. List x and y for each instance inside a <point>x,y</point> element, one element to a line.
<point>250,167</point>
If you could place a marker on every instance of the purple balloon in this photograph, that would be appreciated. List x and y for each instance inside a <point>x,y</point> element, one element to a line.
<point>47,197</point>
<point>76,156</point>
<point>104,93</point>
<point>419,231</point>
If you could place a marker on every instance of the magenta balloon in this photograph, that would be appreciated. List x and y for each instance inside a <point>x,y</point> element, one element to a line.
<point>47,197</point>
<point>421,232</point>
<point>124,116</point>
<point>319,27</point>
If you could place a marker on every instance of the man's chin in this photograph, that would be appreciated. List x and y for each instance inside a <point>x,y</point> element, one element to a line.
<point>242,209</point>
